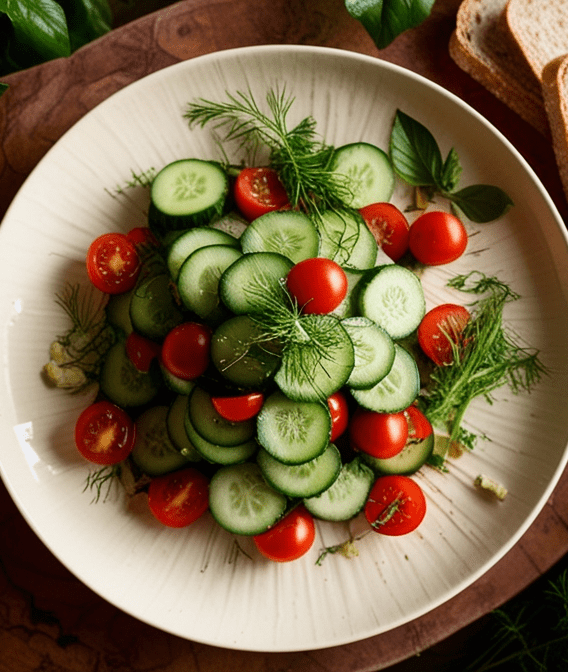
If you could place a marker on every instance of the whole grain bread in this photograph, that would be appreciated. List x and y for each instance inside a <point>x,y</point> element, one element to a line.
<point>483,46</point>
<point>540,28</point>
<point>555,92</point>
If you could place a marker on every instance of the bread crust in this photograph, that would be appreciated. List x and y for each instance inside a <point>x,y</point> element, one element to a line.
<point>555,92</point>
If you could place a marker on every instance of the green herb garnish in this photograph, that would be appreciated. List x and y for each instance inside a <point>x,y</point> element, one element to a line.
<point>417,159</point>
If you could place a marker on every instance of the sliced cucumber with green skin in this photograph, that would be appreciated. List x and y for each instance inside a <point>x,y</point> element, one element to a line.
<point>347,240</point>
<point>374,352</point>
<point>347,495</point>
<point>367,171</point>
<point>153,450</point>
<point>153,310</point>
<point>397,390</point>
<point>242,502</point>
<point>293,431</point>
<point>231,223</point>
<point>254,282</point>
<point>118,312</point>
<point>319,362</point>
<point>187,193</point>
<point>290,233</point>
<point>175,423</point>
<point>349,307</point>
<point>411,458</point>
<point>216,454</point>
<point>393,297</point>
<point>301,480</point>
<point>123,383</point>
<point>191,240</point>
<point>198,280</point>
<point>240,355</point>
<point>176,384</point>
<point>214,427</point>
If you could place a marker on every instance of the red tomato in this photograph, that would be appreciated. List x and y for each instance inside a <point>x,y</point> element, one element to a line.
<point>437,238</point>
<point>113,264</point>
<point>179,498</point>
<point>319,285</point>
<point>339,414</point>
<point>240,408</point>
<point>419,427</point>
<point>389,227</point>
<point>439,328</point>
<point>381,435</point>
<point>185,350</point>
<point>396,505</point>
<point>142,235</point>
<point>258,191</point>
<point>141,351</point>
<point>290,538</point>
<point>104,433</point>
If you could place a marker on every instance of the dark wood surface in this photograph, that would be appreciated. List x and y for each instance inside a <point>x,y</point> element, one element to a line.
<point>48,619</point>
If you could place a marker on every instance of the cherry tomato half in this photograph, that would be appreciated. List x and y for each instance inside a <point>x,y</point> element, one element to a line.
<point>179,498</point>
<point>141,351</point>
<point>258,191</point>
<point>396,505</point>
<point>186,349</point>
<point>439,329</point>
<point>143,236</point>
<point>318,284</point>
<point>339,414</point>
<point>389,227</point>
<point>381,435</point>
<point>113,264</point>
<point>239,408</point>
<point>290,538</point>
<point>437,238</point>
<point>104,433</point>
<point>419,427</point>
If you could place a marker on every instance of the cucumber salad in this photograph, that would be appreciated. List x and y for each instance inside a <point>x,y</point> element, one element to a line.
<point>262,346</point>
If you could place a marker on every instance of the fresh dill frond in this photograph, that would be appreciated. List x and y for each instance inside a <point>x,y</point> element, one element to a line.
<point>299,156</point>
<point>97,480</point>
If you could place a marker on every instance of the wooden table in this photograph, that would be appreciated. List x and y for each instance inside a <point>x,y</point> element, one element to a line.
<point>48,619</point>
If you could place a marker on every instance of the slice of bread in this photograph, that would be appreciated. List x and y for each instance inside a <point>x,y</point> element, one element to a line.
<point>540,28</point>
<point>555,91</point>
<point>482,46</point>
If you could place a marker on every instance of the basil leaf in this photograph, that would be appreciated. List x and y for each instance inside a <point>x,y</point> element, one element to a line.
<point>414,152</point>
<point>39,25</point>
<point>451,172</point>
<point>481,202</point>
<point>87,20</point>
<point>385,20</point>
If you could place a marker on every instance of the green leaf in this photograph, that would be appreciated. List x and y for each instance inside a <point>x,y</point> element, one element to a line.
<point>87,20</point>
<point>385,20</point>
<point>481,202</point>
<point>451,172</point>
<point>40,26</point>
<point>3,88</point>
<point>414,152</point>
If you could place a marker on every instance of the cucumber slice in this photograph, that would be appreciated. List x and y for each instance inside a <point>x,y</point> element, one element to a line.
<point>191,240</point>
<point>412,457</point>
<point>153,450</point>
<point>254,282</point>
<point>241,356</point>
<point>374,352</point>
<point>121,381</point>
<point>153,310</point>
<point>232,223</point>
<point>290,233</point>
<point>118,312</point>
<point>176,384</point>
<point>187,193</point>
<point>242,502</point>
<point>349,307</point>
<point>301,480</point>
<point>393,297</point>
<point>212,426</point>
<point>397,390</point>
<point>345,498</point>
<point>216,454</point>
<point>347,240</point>
<point>367,171</point>
<point>319,362</point>
<point>175,423</point>
<point>198,280</point>
<point>293,432</point>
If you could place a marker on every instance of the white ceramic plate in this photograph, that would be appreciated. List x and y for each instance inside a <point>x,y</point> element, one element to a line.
<point>193,582</point>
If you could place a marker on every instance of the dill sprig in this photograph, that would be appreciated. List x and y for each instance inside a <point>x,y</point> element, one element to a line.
<point>299,156</point>
<point>486,358</point>
<point>97,480</point>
